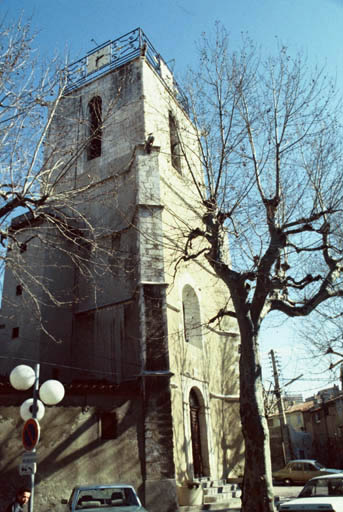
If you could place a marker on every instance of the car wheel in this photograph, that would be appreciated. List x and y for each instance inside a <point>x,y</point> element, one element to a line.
<point>287,481</point>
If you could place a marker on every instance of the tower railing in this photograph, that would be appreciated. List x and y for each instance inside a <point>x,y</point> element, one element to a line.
<point>113,54</point>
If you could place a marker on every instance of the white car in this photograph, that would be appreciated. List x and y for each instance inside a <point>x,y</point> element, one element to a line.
<point>322,493</point>
<point>108,497</point>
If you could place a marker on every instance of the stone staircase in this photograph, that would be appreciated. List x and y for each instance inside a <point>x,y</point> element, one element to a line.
<point>220,491</point>
<point>205,493</point>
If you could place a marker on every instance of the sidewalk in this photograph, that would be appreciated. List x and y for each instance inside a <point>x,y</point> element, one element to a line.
<point>234,505</point>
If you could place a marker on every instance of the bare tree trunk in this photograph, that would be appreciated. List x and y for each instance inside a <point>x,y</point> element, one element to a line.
<point>257,493</point>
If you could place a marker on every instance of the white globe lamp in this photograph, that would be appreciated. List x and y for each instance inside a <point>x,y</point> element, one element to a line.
<point>26,409</point>
<point>51,392</point>
<point>22,377</point>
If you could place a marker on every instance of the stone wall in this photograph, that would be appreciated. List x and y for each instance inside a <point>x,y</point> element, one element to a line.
<point>73,449</point>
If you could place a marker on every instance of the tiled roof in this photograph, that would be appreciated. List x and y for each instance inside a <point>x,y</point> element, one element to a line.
<point>301,407</point>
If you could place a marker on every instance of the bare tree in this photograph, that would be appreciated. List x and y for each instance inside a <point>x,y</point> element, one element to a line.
<point>40,203</point>
<point>271,148</point>
<point>323,336</point>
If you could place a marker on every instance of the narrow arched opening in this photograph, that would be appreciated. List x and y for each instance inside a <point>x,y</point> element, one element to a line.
<point>191,317</point>
<point>198,435</point>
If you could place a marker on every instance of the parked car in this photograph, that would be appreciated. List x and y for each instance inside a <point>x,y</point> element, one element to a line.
<point>111,497</point>
<point>322,493</point>
<point>300,471</point>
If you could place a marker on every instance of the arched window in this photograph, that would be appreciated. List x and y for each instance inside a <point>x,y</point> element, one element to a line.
<point>191,317</point>
<point>95,128</point>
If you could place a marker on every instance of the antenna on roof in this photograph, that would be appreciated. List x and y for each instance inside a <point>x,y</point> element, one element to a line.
<point>171,64</point>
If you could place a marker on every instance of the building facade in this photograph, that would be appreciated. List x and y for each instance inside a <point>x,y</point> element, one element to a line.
<point>324,422</point>
<point>300,440</point>
<point>151,386</point>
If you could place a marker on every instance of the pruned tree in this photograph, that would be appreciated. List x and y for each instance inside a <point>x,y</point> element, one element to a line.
<point>40,203</point>
<point>271,149</point>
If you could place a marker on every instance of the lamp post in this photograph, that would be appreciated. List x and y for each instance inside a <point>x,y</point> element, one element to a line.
<point>51,392</point>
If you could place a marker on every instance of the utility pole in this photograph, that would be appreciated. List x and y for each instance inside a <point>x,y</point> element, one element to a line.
<point>286,445</point>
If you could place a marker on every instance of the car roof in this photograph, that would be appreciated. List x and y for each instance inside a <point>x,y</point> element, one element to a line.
<point>303,460</point>
<point>102,486</point>
<point>330,476</point>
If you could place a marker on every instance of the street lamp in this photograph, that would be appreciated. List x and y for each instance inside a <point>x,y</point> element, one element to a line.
<point>51,392</point>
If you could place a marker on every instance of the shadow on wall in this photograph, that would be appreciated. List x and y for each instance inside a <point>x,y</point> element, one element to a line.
<point>230,442</point>
<point>71,451</point>
<point>221,354</point>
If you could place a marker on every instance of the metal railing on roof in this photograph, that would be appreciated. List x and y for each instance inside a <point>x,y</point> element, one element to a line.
<point>113,54</point>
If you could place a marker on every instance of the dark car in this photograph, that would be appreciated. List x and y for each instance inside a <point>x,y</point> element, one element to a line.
<point>300,471</point>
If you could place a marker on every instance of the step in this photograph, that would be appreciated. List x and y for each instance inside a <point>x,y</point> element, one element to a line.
<point>219,498</point>
<point>234,505</point>
<point>218,490</point>
<point>216,497</point>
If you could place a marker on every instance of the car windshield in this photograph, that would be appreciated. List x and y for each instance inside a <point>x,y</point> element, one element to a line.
<point>322,487</point>
<point>318,465</point>
<point>106,497</point>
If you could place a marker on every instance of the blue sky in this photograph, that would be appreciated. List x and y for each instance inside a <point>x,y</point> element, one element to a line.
<point>174,26</point>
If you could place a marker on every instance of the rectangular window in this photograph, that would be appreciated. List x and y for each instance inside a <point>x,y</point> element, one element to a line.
<point>108,423</point>
<point>19,290</point>
<point>175,147</point>
<point>15,332</point>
